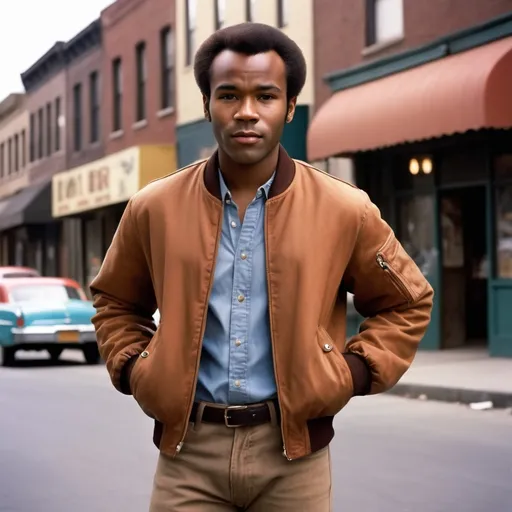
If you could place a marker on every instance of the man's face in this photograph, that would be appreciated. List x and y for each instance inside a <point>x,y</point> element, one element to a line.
<point>248,106</point>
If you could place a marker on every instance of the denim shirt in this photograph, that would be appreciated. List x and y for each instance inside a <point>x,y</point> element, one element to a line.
<point>236,361</point>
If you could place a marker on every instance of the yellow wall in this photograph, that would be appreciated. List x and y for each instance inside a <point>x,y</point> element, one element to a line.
<point>155,162</point>
<point>299,28</point>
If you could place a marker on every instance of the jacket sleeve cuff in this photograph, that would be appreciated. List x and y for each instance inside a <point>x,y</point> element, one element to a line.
<point>361,374</point>
<point>126,373</point>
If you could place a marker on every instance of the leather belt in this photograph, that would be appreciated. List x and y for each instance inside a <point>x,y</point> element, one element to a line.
<point>237,415</point>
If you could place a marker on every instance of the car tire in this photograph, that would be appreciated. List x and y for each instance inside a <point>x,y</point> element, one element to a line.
<point>55,353</point>
<point>8,356</point>
<point>91,353</point>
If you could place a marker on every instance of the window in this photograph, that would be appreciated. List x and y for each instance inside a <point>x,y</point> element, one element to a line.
<point>44,293</point>
<point>503,175</point>
<point>282,13</point>
<point>32,137</point>
<point>94,104</point>
<point>2,157</point>
<point>9,156</point>
<point>384,20</point>
<point>117,91</point>
<point>57,124</point>
<point>48,129</point>
<point>167,68</point>
<point>23,149</point>
<point>140,56</point>
<point>40,128</point>
<point>190,23</point>
<point>77,117</point>
<point>220,13</point>
<point>249,10</point>
<point>16,153</point>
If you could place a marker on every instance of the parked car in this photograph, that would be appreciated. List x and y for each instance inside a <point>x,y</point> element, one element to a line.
<point>11,272</point>
<point>45,313</point>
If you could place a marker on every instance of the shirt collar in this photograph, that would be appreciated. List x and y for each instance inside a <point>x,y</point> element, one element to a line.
<point>263,190</point>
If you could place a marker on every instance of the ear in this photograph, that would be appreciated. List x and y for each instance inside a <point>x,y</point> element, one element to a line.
<point>291,109</point>
<point>206,108</point>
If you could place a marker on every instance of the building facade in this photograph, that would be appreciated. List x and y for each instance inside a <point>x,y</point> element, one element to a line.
<point>419,104</point>
<point>14,127</point>
<point>30,235</point>
<point>121,126</point>
<point>197,21</point>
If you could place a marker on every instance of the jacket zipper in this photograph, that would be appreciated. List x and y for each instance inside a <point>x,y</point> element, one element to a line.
<point>285,453</point>
<point>394,276</point>
<point>198,361</point>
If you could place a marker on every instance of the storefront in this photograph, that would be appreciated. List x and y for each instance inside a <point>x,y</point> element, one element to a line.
<point>196,140</point>
<point>430,135</point>
<point>28,233</point>
<point>91,199</point>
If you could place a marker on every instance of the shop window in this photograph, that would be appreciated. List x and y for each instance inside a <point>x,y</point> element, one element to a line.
<point>384,21</point>
<point>415,230</point>
<point>503,173</point>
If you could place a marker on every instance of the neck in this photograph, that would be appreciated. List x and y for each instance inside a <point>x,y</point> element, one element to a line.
<point>247,178</point>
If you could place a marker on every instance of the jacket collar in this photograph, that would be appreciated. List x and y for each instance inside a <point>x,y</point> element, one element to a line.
<point>285,172</point>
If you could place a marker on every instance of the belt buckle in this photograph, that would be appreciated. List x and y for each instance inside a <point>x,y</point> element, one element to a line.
<point>233,408</point>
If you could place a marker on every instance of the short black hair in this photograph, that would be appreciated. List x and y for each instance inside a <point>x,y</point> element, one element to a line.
<point>251,39</point>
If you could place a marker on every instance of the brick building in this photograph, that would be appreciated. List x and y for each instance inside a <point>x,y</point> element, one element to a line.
<point>13,171</point>
<point>120,124</point>
<point>415,94</point>
<point>30,235</point>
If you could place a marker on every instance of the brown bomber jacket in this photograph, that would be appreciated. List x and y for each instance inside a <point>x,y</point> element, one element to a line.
<point>323,238</point>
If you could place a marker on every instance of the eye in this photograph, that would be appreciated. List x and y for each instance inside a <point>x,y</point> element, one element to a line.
<point>266,97</point>
<point>227,97</point>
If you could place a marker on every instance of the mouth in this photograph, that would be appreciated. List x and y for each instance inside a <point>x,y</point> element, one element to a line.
<point>247,137</point>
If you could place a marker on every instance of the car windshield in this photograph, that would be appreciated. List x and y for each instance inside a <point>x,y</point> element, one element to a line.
<point>44,293</point>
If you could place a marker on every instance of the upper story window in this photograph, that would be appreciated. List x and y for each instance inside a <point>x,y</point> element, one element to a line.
<point>117,93</point>
<point>140,57</point>
<point>77,117</point>
<point>384,21</point>
<point>94,107</point>
<point>282,13</point>
<point>220,14</point>
<point>167,68</point>
<point>48,129</point>
<point>190,23</point>
<point>57,123</point>
<point>250,7</point>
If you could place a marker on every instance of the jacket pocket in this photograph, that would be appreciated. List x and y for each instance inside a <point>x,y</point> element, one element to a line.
<point>400,269</point>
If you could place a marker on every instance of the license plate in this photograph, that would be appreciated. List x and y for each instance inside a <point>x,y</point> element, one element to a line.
<point>68,336</point>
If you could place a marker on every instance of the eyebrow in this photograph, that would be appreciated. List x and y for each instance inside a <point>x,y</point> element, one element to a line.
<point>261,87</point>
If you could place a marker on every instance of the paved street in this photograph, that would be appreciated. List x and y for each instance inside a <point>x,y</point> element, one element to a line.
<point>70,443</point>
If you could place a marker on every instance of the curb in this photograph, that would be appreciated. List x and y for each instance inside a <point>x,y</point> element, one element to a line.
<point>453,395</point>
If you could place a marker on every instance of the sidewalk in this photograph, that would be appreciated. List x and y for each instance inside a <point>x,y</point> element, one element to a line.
<point>458,375</point>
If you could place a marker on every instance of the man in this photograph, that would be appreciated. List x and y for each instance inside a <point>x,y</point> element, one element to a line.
<point>248,257</point>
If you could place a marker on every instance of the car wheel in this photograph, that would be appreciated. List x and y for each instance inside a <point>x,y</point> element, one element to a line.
<point>55,353</point>
<point>8,356</point>
<point>91,353</point>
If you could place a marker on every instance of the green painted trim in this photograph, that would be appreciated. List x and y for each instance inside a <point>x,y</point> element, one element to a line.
<point>457,42</point>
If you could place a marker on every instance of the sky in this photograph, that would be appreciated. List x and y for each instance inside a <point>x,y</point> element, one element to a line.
<point>29,28</point>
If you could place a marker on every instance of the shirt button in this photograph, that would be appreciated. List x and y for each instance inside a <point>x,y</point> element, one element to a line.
<point>233,224</point>
<point>238,343</point>
<point>228,201</point>
<point>237,383</point>
<point>243,256</point>
<point>241,298</point>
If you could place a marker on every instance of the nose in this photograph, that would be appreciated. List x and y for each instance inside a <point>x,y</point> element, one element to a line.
<point>247,111</point>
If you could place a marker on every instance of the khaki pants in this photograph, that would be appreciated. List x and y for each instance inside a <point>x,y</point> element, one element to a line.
<point>222,469</point>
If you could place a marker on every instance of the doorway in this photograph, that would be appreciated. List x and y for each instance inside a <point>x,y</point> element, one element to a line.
<point>465,266</point>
